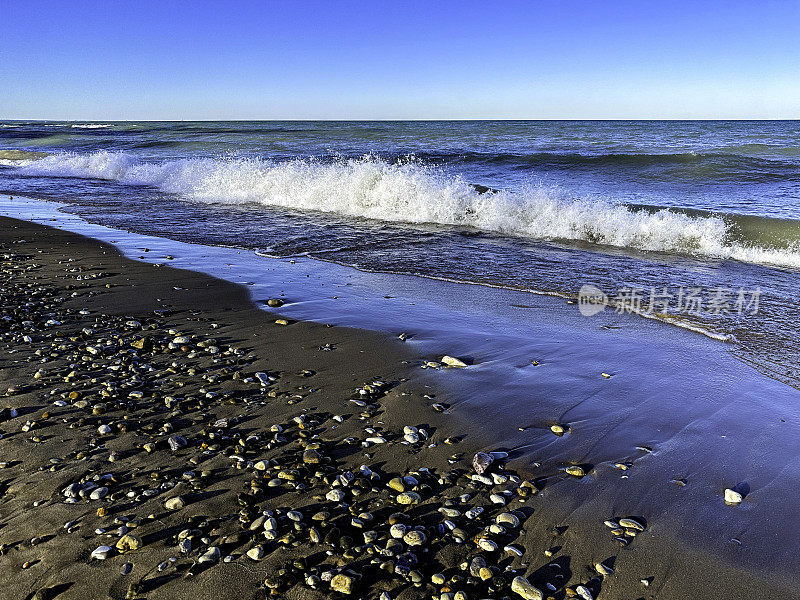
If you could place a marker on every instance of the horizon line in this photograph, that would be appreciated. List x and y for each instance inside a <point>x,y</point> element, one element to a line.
<point>410,120</point>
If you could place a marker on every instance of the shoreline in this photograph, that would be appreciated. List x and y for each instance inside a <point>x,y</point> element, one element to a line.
<point>353,363</point>
<point>122,457</point>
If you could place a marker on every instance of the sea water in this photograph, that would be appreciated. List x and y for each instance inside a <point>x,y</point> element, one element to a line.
<point>695,223</point>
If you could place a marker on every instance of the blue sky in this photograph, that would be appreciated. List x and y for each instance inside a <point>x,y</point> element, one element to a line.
<point>383,59</point>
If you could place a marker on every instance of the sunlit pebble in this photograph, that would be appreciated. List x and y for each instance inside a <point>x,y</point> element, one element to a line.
<point>732,497</point>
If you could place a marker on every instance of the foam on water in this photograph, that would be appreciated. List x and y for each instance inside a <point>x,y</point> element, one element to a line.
<point>411,192</point>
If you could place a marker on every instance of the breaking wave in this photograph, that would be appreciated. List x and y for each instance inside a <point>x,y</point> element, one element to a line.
<point>411,192</point>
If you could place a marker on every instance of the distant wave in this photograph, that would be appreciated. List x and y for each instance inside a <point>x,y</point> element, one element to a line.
<point>200,145</point>
<point>761,149</point>
<point>58,139</point>
<point>91,125</point>
<point>411,192</point>
<point>722,165</point>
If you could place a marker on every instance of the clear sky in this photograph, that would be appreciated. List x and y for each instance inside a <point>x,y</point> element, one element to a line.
<point>395,59</point>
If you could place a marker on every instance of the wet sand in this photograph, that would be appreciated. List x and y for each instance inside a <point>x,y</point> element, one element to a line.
<point>256,450</point>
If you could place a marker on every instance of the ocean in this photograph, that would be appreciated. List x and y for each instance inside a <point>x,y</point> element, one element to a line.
<point>694,223</point>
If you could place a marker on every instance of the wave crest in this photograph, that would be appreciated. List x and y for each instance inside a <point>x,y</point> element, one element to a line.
<point>411,192</point>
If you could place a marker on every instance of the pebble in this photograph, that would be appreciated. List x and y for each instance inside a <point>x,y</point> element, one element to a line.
<point>210,556</point>
<point>474,513</point>
<point>507,519</point>
<point>631,523</point>
<point>732,497</point>
<point>128,543</point>
<point>575,471</point>
<point>342,583</point>
<point>101,552</point>
<point>409,498</point>
<point>415,538</point>
<point>397,530</point>
<point>603,569</point>
<point>336,495</point>
<point>175,503</point>
<point>98,493</point>
<point>487,545</point>
<point>312,457</point>
<point>451,361</point>
<point>521,587</point>
<point>176,442</point>
<point>497,499</point>
<point>397,484</point>
<point>481,462</point>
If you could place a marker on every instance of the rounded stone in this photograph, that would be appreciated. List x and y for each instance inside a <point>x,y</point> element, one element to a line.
<point>98,493</point>
<point>487,545</point>
<point>575,471</point>
<point>733,497</point>
<point>409,498</point>
<point>507,519</point>
<point>397,531</point>
<point>175,503</point>
<point>415,538</point>
<point>342,583</point>
<point>521,586</point>
<point>335,495</point>
<point>210,556</point>
<point>101,552</point>
<point>397,484</point>
<point>128,543</point>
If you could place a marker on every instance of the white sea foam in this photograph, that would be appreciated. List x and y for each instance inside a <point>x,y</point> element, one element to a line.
<point>414,193</point>
<point>90,125</point>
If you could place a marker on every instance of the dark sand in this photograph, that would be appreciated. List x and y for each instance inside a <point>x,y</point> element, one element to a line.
<point>317,370</point>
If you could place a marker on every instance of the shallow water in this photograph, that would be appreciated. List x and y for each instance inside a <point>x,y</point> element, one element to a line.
<point>575,203</point>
